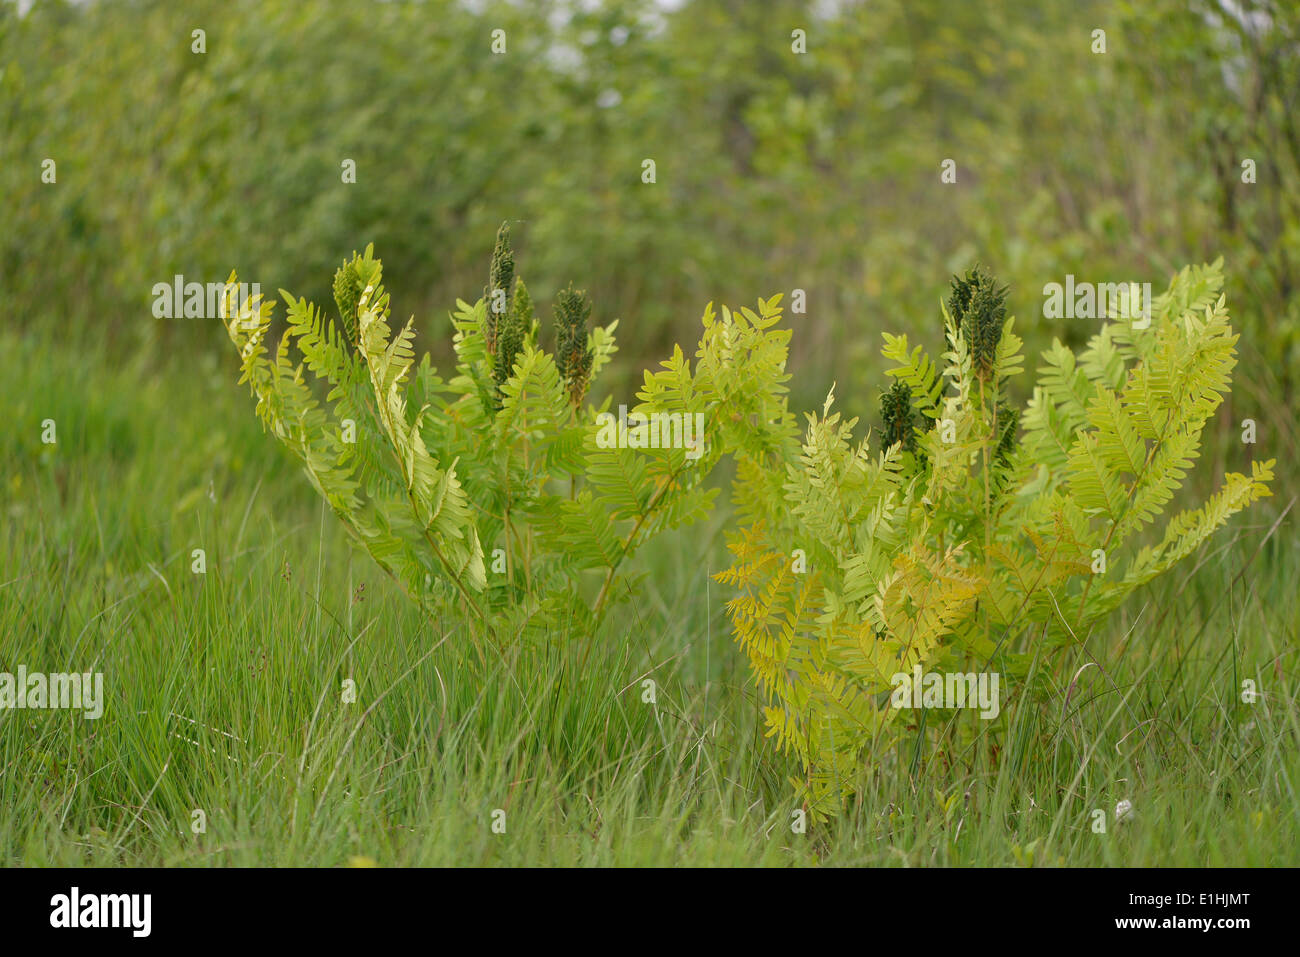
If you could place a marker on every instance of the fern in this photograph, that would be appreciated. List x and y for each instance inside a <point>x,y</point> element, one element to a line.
<point>490,491</point>
<point>973,533</point>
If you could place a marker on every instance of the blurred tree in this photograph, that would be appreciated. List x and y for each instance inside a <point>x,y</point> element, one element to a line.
<point>779,165</point>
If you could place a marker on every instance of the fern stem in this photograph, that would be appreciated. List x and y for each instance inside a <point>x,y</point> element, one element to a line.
<point>631,536</point>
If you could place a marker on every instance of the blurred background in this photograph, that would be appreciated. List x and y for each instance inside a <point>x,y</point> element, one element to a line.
<point>774,170</point>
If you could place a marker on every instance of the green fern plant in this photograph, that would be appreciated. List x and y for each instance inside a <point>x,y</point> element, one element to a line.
<point>493,491</point>
<point>974,532</point>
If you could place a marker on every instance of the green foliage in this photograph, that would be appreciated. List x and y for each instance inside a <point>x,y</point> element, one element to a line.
<point>244,655</point>
<point>966,546</point>
<point>1117,165</point>
<point>499,489</point>
<point>349,283</point>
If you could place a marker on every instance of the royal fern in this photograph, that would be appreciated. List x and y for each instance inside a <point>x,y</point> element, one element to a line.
<point>976,531</point>
<point>492,490</point>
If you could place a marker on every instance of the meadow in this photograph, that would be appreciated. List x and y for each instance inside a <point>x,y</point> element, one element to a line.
<point>223,688</point>
<point>273,698</point>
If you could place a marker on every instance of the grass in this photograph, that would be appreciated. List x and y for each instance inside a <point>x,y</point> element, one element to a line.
<point>225,689</point>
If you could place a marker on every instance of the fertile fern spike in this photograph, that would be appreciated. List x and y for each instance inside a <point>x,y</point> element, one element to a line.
<point>899,418</point>
<point>572,307</point>
<point>497,295</point>
<point>521,309</point>
<point>979,309</point>
<point>512,330</point>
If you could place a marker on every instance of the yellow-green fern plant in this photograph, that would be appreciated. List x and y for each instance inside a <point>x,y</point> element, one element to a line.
<point>972,534</point>
<point>501,491</point>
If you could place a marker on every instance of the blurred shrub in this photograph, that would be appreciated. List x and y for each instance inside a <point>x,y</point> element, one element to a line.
<point>774,171</point>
